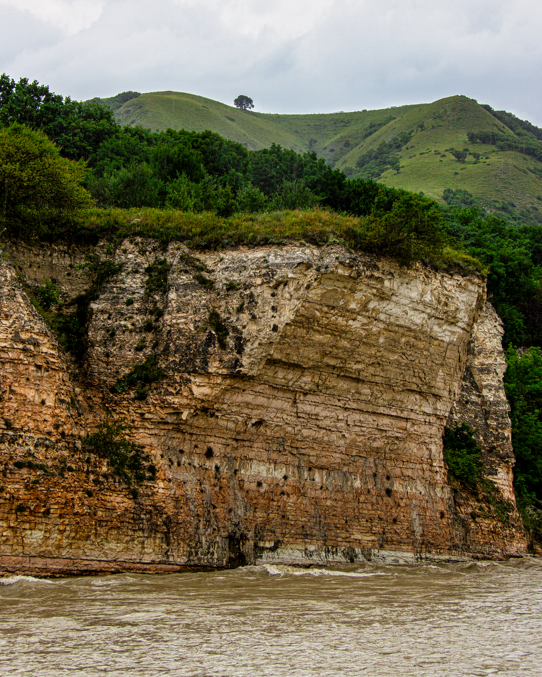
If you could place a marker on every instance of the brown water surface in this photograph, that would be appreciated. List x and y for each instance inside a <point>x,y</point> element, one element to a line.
<point>446,620</point>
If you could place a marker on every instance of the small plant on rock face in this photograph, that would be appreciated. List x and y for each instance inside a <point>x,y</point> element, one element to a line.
<point>204,281</point>
<point>462,455</point>
<point>112,441</point>
<point>69,320</point>
<point>140,377</point>
<point>47,294</point>
<point>157,277</point>
<point>219,328</point>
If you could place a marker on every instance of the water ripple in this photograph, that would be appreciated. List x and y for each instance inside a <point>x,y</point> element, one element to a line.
<point>450,620</point>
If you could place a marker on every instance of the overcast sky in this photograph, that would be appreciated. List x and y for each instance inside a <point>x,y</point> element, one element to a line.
<point>290,56</point>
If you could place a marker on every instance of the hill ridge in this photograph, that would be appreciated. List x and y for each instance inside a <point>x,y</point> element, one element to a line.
<point>421,160</point>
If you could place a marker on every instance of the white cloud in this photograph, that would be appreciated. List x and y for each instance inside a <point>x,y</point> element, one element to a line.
<point>285,18</point>
<point>291,55</point>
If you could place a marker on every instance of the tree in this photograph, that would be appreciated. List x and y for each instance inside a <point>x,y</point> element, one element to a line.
<point>39,189</point>
<point>460,155</point>
<point>523,385</point>
<point>77,127</point>
<point>412,230</point>
<point>243,102</point>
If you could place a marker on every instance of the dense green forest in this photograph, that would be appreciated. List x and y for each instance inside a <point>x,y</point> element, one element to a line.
<point>69,170</point>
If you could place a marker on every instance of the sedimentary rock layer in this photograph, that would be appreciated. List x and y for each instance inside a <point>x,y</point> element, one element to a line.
<point>300,419</point>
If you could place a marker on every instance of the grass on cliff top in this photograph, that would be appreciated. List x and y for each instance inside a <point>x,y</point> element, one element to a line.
<point>317,227</point>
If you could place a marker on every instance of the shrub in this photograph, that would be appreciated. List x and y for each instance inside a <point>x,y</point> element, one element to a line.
<point>412,230</point>
<point>47,294</point>
<point>112,441</point>
<point>462,455</point>
<point>39,189</point>
<point>294,195</point>
<point>251,199</point>
<point>208,195</point>
<point>132,186</point>
<point>460,155</point>
<point>141,376</point>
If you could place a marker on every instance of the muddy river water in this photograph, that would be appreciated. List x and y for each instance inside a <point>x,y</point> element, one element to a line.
<point>446,620</point>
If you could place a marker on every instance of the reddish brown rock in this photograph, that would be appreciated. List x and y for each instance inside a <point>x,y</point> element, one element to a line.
<point>301,418</point>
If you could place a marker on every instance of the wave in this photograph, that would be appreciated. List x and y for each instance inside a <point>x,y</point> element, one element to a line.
<point>281,570</point>
<point>11,580</point>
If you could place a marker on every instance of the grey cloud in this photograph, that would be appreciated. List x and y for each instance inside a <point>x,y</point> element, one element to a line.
<point>22,32</point>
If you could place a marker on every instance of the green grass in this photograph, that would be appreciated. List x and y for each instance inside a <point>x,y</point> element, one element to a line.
<point>176,110</point>
<point>504,176</point>
<point>208,231</point>
<point>339,139</point>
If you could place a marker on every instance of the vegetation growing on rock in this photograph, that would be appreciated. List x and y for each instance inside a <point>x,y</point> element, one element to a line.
<point>112,441</point>
<point>462,455</point>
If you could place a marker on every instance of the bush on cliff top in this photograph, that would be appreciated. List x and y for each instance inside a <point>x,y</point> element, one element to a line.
<point>410,232</point>
<point>39,189</point>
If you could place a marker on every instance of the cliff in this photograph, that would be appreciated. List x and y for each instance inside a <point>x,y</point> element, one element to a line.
<point>296,415</point>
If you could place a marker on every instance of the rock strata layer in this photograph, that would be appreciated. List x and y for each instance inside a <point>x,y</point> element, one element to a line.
<point>300,418</point>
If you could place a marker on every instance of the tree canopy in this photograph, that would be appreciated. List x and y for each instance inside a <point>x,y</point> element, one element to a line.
<point>77,127</point>
<point>243,102</point>
<point>39,189</point>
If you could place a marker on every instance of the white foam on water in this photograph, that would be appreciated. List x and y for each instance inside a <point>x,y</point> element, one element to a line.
<point>281,570</point>
<point>11,580</point>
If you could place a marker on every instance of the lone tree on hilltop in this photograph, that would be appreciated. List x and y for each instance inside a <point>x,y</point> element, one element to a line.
<point>243,102</point>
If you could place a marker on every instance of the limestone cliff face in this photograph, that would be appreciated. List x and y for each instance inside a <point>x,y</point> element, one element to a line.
<point>300,420</point>
<point>482,402</point>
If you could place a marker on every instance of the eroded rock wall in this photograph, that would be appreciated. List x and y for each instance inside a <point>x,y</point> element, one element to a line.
<point>301,418</point>
<point>482,402</point>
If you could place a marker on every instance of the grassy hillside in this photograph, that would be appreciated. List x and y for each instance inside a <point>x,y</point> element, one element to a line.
<point>343,139</point>
<point>175,110</point>
<point>427,163</point>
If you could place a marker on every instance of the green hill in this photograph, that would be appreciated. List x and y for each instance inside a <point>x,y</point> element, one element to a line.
<point>420,137</point>
<point>176,110</point>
